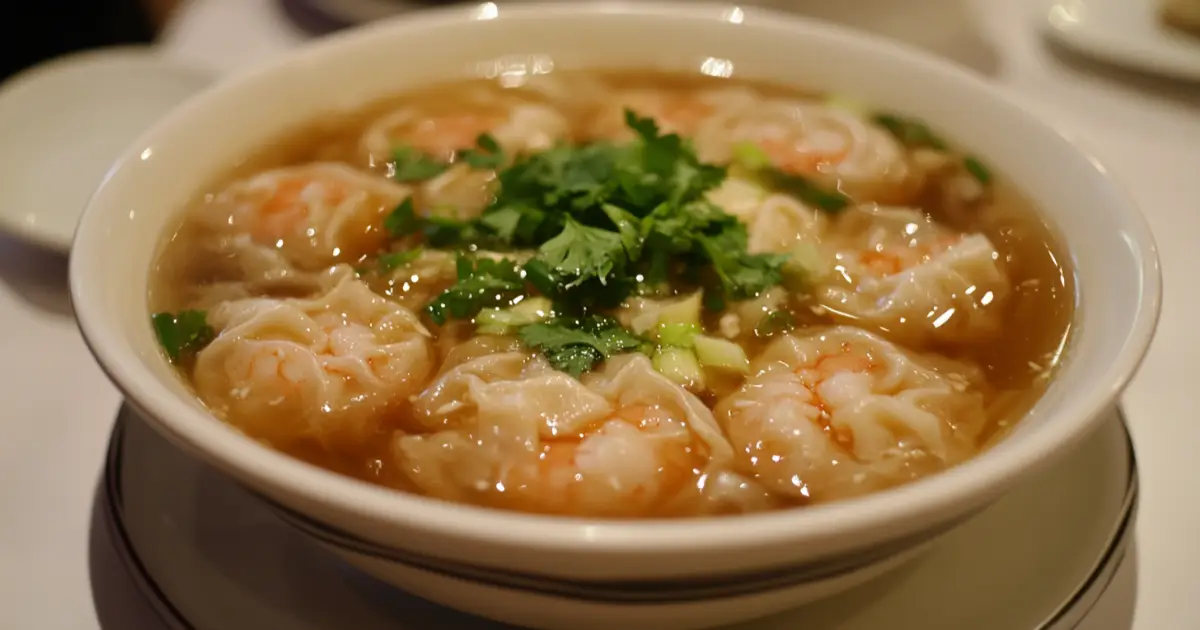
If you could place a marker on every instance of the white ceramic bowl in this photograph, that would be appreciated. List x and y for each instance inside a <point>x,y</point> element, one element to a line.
<point>554,572</point>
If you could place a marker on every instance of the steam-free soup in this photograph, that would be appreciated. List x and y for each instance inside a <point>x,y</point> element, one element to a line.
<point>616,295</point>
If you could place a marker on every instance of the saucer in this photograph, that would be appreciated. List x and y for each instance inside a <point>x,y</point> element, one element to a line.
<point>1127,33</point>
<point>209,555</point>
<point>65,121</point>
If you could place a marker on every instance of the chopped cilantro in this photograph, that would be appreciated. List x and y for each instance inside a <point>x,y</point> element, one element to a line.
<point>403,220</point>
<point>743,275</point>
<point>603,221</point>
<point>628,228</point>
<point>394,260</point>
<point>482,283</point>
<point>910,132</point>
<point>182,334</point>
<point>486,154</point>
<point>580,253</point>
<point>576,345</point>
<point>411,165</point>
<point>978,170</point>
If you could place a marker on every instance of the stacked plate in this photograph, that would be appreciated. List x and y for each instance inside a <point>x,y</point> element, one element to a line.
<point>208,555</point>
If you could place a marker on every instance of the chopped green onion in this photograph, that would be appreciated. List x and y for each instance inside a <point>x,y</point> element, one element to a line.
<point>721,354</point>
<point>504,321</point>
<point>680,366</point>
<point>678,335</point>
<point>977,170</point>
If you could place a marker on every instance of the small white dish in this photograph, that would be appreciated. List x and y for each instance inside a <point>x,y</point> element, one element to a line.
<point>210,555</point>
<point>64,122</point>
<point>1128,33</point>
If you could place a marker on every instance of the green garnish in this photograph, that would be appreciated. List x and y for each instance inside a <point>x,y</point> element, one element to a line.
<point>752,158</point>
<point>775,323</point>
<point>182,334</point>
<point>977,170</point>
<point>580,253</point>
<point>403,220</point>
<point>604,221</point>
<point>394,260</point>
<point>915,134</point>
<point>576,345</point>
<point>830,201</point>
<point>486,154</point>
<point>721,354</point>
<point>503,321</point>
<point>412,165</point>
<point>482,283</point>
<point>677,335</point>
<point>910,132</point>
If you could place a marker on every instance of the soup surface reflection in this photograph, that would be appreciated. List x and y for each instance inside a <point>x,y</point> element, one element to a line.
<point>616,295</point>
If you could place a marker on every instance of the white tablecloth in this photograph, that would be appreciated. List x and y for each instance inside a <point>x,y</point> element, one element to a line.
<point>1146,130</point>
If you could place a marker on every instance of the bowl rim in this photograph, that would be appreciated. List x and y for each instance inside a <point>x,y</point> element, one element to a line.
<point>875,516</point>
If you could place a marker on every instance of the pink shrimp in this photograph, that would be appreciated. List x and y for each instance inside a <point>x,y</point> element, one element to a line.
<point>843,412</point>
<point>886,260</point>
<point>442,136</point>
<point>316,214</point>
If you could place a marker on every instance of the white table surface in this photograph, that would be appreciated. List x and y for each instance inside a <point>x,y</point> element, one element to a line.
<point>1146,130</point>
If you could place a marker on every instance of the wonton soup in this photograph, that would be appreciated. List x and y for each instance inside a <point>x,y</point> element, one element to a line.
<point>617,295</point>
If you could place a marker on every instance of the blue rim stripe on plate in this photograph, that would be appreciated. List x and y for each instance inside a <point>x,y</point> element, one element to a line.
<point>1087,593</point>
<point>649,592</point>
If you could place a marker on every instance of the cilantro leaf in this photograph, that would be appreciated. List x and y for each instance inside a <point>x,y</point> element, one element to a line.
<point>575,346</point>
<point>628,227</point>
<point>182,334</point>
<point>742,275</point>
<point>482,283</point>
<point>486,154</point>
<point>394,260</point>
<point>910,132</point>
<point>518,225</point>
<point>411,165</point>
<point>665,167</point>
<point>581,252</point>
<point>403,220</point>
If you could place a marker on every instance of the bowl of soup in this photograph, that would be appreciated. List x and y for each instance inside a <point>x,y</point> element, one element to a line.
<point>612,313</point>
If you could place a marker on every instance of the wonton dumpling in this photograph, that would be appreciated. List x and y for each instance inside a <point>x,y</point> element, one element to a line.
<point>899,273</point>
<point>843,412</point>
<point>326,370</point>
<point>305,217</point>
<point>518,126</point>
<point>775,223</point>
<point>523,436</point>
<point>836,147</point>
<point>674,112</point>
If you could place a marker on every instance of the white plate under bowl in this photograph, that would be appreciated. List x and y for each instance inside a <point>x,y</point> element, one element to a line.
<point>65,121</point>
<point>211,556</point>
<point>1128,33</point>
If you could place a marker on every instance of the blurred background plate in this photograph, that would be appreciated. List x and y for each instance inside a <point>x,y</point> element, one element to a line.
<point>1129,33</point>
<point>65,121</point>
